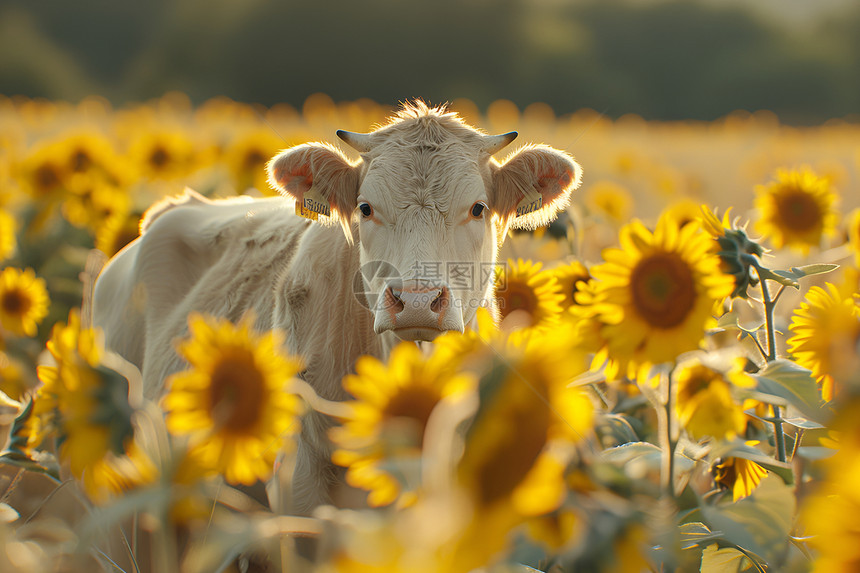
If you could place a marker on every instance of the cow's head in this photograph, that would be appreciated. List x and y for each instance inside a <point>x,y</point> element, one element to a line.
<point>431,206</point>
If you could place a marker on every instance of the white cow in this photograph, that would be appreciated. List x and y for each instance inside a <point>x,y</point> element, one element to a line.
<point>426,198</point>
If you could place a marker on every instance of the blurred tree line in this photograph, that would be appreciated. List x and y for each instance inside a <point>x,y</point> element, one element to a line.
<point>669,59</point>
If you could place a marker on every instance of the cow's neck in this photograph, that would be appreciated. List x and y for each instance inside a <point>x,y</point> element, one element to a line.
<point>326,323</point>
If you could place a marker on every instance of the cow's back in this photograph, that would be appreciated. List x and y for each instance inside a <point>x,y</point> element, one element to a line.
<point>221,258</point>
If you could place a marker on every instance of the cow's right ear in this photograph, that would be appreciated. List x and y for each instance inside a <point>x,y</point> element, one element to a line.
<point>325,168</point>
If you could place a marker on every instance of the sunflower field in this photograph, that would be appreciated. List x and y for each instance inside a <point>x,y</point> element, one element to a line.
<point>674,384</point>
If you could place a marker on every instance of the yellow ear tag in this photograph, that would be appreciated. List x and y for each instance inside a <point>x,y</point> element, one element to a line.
<point>302,212</point>
<point>313,204</point>
<point>530,203</point>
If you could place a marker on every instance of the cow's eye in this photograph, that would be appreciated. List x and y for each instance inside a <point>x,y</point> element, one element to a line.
<point>366,210</point>
<point>478,210</point>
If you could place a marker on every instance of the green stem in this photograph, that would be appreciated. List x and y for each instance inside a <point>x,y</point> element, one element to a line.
<point>771,356</point>
<point>798,436</point>
<point>669,443</point>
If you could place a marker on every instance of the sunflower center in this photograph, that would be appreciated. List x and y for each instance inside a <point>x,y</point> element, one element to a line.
<point>663,289</point>
<point>46,177</point>
<point>159,157</point>
<point>414,405</point>
<point>253,158</point>
<point>725,473</point>
<point>508,459</point>
<point>517,296</point>
<point>14,302</point>
<point>81,161</point>
<point>691,383</point>
<point>798,211</point>
<point>236,394</point>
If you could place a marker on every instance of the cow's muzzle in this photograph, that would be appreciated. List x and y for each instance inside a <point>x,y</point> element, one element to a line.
<point>417,310</point>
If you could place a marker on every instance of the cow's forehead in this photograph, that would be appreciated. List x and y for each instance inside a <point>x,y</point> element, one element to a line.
<point>433,154</point>
<point>425,175</point>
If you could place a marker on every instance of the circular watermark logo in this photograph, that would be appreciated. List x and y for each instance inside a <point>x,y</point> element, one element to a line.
<point>366,275</point>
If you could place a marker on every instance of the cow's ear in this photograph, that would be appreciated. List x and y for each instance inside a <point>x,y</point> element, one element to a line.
<point>532,185</point>
<point>325,168</point>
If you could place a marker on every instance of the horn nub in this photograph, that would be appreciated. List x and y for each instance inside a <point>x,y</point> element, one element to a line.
<point>358,141</point>
<point>495,143</point>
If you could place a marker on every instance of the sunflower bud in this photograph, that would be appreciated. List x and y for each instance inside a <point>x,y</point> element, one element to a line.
<point>734,244</point>
<point>735,249</point>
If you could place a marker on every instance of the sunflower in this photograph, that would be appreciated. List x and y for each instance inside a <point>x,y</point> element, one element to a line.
<point>830,513</point>
<point>526,296</point>
<point>849,284</point>
<point>830,517</point>
<point>246,158</point>
<point>797,209</point>
<point>705,405</point>
<point>233,403</point>
<point>570,278</point>
<point>163,154</point>
<point>684,211</point>
<point>733,246</point>
<point>526,407</point>
<point>23,301</point>
<point>826,335</point>
<point>116,231</point>
<point>8,242</point>
<point>518,445</point>
<point>87,402</point>
<point>113,475</point>
<point>740,475</point>
<point>556,530</point>
<point>43,173</point>
<point>853,229</point>
<point>655,294</point>
<point>388,418</point>
<point>91,153</point>
<point>92,200</point>
<point>14,379</point>
<point>610,200</point>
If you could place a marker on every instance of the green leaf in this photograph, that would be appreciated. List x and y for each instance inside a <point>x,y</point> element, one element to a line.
<point>20,460</point>
<point>815,452</point>
<point>794,384</point>
<point>614,429</point>
<point>697,534</point>
<point>720,560</point>
<point>789,277</point>
<point>803,423</point>
<point>760,522</point>
<point>809,270</point>
<point>636,456</point>
<point>17,452</point>
<point>732,320</point>
<point>782,277</point>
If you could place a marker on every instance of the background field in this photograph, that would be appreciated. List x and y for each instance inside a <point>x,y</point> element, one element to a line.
<point>109,107</point>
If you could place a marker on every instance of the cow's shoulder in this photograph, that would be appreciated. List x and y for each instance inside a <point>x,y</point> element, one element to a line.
<point>193,254</point>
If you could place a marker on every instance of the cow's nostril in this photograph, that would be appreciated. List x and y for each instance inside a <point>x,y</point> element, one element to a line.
<point>440,301</point>
<point>393,299</point>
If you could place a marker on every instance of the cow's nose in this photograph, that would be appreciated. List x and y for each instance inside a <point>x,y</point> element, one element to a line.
<point>435,298</point>
<point>418,310</point>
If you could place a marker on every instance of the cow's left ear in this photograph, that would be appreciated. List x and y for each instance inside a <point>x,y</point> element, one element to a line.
<point>532,172</point>
<point>325,168</point>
